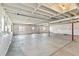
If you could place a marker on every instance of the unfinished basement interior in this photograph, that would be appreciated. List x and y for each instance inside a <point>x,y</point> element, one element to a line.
<point>39,29</point>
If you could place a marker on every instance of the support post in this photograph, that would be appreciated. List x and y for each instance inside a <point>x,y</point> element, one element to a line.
<point>72,31</point>
<point>49,28</point>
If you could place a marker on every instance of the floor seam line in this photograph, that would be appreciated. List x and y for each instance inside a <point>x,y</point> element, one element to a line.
<point>60,48</point>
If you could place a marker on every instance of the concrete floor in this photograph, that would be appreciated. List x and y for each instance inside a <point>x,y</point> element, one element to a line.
<point>72,49</point>
<point>38,44</point>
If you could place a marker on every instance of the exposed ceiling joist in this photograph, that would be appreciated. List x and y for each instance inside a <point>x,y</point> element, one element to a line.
<point>67,19</point>
<point>20,14</point>
<point>63,15</point>
<point>40,12</point>
<point>9,8</point>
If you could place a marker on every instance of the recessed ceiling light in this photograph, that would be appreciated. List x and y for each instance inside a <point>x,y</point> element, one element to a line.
<point>64,6</point>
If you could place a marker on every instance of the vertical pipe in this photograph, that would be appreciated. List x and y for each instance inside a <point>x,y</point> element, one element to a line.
<point>33,29</point>
<point>38,29</point>
<point>72,31</point>
<point>49,28</point>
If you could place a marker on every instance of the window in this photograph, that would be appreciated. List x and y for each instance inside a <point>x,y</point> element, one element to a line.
<point>20,28</point>
<point>33,28</point>
<point>44,28</point>
<point>9,28</point>
<point>2,24</point>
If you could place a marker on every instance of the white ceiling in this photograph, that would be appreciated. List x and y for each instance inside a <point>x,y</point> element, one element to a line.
<point>39,13</point>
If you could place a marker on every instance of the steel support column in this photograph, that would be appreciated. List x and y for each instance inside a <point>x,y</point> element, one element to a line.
<point>72,31</point>
<point>49,29</point>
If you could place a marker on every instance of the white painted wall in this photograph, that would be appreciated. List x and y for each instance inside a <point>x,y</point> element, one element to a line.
<point>61,28</point>
<point>5,37</point>
<point>76,30</point>
<point>64,28</point>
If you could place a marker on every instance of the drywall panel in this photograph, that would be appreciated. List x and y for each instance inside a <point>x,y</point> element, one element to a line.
<point>65,28</point>
<point>61,28</point>
<point>76,28</point>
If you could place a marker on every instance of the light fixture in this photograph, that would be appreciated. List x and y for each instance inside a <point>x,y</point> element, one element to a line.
<point>64,6</point>
<point>33,28</point>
